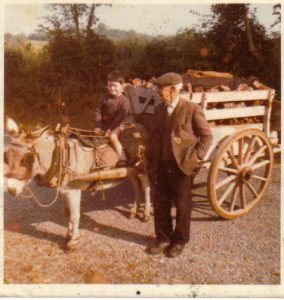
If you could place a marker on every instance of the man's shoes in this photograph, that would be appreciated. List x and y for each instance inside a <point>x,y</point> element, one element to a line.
<point>174,250</point>
<point>157,247</point>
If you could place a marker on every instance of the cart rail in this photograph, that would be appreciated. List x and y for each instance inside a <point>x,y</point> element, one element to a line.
<point>144,100</point>
<point>240,158</point>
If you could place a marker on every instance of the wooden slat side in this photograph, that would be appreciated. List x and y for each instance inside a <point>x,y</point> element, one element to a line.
<point>267,115</point>
<point>229,96</point>
<point>237,127</point>
<point>237,96</point>
<point>135,92</point>
<point>150,109</point>
<point>239,112</point>
<point>196,97</point>
<point>131,94</point>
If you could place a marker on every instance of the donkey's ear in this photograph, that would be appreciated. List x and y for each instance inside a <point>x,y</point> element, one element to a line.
<point>11,126</point>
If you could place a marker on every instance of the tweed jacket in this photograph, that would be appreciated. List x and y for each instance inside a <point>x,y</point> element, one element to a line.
<point>191,136</point>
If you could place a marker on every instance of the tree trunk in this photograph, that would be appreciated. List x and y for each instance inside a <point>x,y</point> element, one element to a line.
<point>75,14</point>
<point>91,20</point>
<point>251,45</point>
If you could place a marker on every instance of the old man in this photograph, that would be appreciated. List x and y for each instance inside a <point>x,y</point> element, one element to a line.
<point>181,138</point>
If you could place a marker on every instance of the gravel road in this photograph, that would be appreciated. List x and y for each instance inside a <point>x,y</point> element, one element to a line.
<point>112,248</point>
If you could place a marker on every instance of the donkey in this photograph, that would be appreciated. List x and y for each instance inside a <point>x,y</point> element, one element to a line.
<point>31,156</point>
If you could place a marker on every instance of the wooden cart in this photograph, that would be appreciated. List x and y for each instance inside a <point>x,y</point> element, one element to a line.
<point>240,159</point>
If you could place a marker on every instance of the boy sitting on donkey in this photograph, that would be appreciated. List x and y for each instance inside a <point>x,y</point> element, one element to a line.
<point>114,109</point>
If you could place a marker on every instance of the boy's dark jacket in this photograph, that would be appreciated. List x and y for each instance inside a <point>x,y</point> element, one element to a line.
<point>111,111</point>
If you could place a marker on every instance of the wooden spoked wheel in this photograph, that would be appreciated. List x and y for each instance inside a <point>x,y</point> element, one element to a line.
<point>240,173</point>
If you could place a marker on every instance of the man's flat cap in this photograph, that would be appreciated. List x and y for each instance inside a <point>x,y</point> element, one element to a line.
<point>169,79</point>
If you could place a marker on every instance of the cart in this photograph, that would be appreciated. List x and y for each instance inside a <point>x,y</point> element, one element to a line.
<point>240,159</point>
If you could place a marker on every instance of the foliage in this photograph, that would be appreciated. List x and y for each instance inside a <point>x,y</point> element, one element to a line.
<point>66,74</point>
<point>14,41</point>
<point>118,35</point>
<point>239,52</point>
<point>277,12</point>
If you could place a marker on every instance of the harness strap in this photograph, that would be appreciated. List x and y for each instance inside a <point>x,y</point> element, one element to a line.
<point>60,162</point>
<point>65,161</point>
<point>54,168</point>
<point>24,147</point>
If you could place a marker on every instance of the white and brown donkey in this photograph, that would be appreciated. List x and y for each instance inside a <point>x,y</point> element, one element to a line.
<point>32,155</point>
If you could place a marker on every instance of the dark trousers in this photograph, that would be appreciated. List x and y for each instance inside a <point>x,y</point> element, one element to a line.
<point>172,185</point>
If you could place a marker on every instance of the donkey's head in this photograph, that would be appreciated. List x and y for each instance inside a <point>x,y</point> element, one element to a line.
<point>21,157</point>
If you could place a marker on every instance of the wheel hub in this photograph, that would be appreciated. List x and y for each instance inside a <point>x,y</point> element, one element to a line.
<point>245,174</point>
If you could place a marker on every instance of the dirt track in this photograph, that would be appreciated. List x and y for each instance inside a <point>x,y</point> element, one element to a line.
<point>111,249</point>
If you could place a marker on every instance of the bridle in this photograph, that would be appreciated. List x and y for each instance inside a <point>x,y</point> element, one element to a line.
<point>35,170</point>
<point>60,160</point>
<point>25,149</point>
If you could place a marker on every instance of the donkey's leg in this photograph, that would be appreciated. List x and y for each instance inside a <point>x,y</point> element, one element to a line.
<point>67,218</point>
<point>146,188</point>
<point>137,190</point>
<point>72,202</point>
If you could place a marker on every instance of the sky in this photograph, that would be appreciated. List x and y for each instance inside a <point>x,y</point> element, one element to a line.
<point>150,19</point>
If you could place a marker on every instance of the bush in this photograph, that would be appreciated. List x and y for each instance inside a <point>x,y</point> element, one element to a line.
<point>67,76</point>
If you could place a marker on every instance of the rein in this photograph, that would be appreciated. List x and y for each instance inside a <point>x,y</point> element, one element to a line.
<point>33,196</point>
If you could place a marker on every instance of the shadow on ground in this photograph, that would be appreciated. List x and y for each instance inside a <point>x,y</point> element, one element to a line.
<point>27,214</point>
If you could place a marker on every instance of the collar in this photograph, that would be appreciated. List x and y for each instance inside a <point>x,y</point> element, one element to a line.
<point>171,107</point>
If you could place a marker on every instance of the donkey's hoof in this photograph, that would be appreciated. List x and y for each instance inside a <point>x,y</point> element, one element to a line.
<point>68,237</point>
<point>72,244</point>
<point>145,219</point>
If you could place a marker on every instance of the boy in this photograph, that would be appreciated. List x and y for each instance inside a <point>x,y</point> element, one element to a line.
<point>112,111</point>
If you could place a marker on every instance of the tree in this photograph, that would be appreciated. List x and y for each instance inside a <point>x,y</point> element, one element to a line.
<point>242,45</point>
<point>277,13</point>
<point>237,38</point>
<point>251,45</point>
<point>78,19</point>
